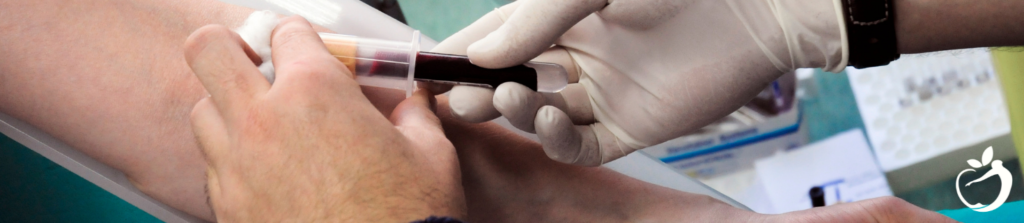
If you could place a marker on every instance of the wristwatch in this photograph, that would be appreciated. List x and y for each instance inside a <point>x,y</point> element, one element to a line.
<point>870,31</point>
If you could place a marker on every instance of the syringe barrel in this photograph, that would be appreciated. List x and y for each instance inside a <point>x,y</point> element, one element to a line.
<point>392,64</point>
<point>375,62</point>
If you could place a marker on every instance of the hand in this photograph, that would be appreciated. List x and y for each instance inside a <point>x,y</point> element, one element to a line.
<point>312,147</point>
<point>644,71</point>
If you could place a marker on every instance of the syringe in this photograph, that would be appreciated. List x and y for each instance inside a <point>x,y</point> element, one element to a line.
<point>398,65</point>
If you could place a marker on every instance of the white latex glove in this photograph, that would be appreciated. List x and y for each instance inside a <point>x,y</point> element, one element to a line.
<point>643,71</point>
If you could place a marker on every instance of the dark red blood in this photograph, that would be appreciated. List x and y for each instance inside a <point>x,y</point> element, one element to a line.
<point>456,68</point>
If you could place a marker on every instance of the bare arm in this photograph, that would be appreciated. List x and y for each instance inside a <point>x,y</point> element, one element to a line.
<point>933,25</point>
<point>508,178</point>
<point>108,78</point>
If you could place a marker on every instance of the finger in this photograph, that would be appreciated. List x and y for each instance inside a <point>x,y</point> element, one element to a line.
<point>530,30</point>
<point>574,101</point>
<point>300,56</point>
<point>475,104</point>
<point>253,56</point>
<point>565,142</point>
<point>218,57</point>
<point>457,43</point>
<point>585,145</point>
<point>417,112</point>
<point>519,104</point>
<point>472,104</point>
<point>209,130</point>
<point>213,190</point>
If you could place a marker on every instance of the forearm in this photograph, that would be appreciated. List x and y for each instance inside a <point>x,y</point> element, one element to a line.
<point>933,25</point>
<point>508,178</point>
<point>109,79</point>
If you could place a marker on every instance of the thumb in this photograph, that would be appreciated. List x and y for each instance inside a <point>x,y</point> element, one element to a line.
<point>417,112</point>
<point>530,30</point>
<point>210,131</point>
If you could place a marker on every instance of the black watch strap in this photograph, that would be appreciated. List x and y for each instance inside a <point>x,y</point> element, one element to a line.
<point>870,32</point>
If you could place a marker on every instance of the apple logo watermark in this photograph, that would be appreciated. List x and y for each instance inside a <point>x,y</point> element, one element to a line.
<point>997,170</point>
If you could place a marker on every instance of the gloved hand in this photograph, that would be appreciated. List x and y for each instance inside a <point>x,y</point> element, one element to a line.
<point>643,71</point>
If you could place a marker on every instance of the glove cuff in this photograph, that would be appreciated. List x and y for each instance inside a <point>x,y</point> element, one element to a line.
<point>807,34</point>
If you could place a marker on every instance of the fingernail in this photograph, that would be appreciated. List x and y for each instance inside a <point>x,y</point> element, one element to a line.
<point>547,113</point>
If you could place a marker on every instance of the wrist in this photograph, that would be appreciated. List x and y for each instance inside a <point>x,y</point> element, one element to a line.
<point>412,193</point>
<point>926,26</point>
